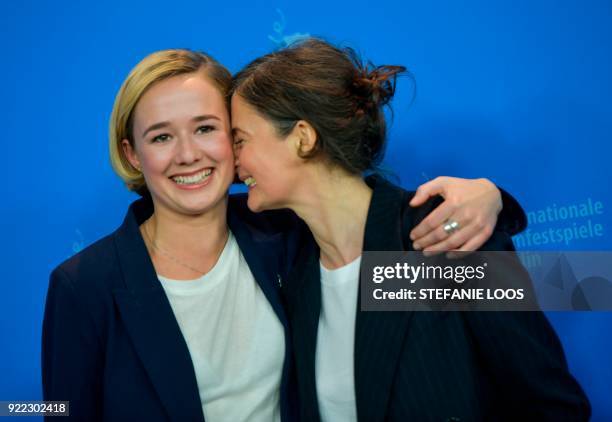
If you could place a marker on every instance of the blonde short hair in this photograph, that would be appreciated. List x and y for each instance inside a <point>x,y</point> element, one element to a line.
<point>155,67</point>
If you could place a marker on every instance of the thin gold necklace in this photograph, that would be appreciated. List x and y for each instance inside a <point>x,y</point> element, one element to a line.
<point>169,255</point>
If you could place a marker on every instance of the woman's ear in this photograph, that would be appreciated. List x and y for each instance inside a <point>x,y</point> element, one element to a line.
<point>130,154</point>
<point>305,137</point>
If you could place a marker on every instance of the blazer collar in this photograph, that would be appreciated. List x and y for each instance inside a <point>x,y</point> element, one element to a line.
<point>150,321</point>
<point>378,335</point>
<point>304,289</point>
<point>261,251</point>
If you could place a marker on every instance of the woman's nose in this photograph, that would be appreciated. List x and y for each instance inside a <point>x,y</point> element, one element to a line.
<point>188,151</point>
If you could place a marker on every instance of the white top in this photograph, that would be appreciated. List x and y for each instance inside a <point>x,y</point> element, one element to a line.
<point>335,373</point>
<point>235,339</point>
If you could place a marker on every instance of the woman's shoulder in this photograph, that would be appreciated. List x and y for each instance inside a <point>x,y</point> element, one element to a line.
<point>91,272</point>
<point>500,239</point>
<point>100,262</point>
<point>82,287</point>
<point>387,193</point>
<point>91,260</point>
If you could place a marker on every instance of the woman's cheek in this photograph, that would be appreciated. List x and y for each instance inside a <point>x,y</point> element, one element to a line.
<point>156,161</point>
<point>221,148</point>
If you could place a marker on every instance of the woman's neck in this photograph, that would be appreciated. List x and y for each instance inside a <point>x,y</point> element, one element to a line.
<point>334,204</point>
<point>185,246</point>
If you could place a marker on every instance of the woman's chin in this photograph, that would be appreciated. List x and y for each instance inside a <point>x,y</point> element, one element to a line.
<point>254,205</point>
<point>255,202</point>
<point>195,205</point>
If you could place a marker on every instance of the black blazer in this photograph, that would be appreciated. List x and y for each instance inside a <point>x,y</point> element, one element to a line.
<point>111,344</point>
<point>434,366</point>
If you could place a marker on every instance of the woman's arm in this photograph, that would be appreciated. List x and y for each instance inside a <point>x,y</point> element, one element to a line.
<point>71,352</point>
<point>477,205</point>
<point>524,358</point>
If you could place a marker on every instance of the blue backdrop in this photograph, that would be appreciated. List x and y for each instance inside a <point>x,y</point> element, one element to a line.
<point>517,91</point>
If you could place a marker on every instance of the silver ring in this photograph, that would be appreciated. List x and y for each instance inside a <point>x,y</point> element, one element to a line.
<point>450,226</point>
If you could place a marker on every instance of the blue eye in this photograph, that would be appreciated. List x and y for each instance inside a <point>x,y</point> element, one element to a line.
<point>205,129</point>
<point>161,138</point>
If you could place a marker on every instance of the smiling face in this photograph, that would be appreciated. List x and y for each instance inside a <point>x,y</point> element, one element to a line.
<point>267,163</point>
<point>182,144</point>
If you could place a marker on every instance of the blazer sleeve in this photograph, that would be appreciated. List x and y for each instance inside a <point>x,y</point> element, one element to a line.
<point>520,353</point>
<point>512,218</point>
<point>523,357</point>
<point>71,352</point>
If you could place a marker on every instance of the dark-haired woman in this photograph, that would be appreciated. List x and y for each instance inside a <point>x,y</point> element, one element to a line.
<point>308,122</point>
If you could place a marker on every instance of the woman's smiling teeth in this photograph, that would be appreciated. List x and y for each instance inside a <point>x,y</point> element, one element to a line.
<point>193,179</point>
<point>250,182</point>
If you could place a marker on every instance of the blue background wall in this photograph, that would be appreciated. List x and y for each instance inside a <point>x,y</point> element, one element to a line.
<point>517,91</point>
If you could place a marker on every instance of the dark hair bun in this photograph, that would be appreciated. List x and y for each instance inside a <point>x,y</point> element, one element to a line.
<point>375,85</point>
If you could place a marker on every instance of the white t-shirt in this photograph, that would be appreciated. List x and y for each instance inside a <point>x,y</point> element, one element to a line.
<point>235,339</point>
<point>335,373</point>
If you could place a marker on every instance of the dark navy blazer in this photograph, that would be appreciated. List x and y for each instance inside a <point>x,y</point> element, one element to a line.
<point>111,344</point>
<point>433,366</point>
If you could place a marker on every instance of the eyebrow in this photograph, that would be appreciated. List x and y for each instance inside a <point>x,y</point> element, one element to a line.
<point>162,125</point>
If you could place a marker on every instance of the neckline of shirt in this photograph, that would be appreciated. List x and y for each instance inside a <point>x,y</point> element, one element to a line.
<point>206,281</point>
<point>339,274</point>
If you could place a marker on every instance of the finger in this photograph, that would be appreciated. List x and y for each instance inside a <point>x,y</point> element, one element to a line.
<point>427,190</point>
<point>471,245</point>
<point>433,221</point>
<point>455,240</point>
<point>481,232</point>
<point>434,237</point>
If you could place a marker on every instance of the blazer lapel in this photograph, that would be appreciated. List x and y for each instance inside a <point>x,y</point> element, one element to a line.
<point>262,257</point>
<point>379,335</point>
<point>151,324</point>
<point>263,252</point>
<point>304,300</point>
